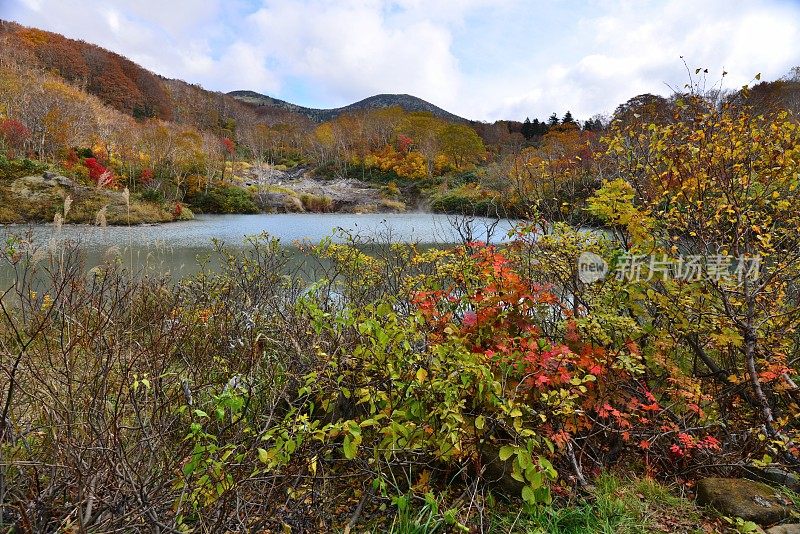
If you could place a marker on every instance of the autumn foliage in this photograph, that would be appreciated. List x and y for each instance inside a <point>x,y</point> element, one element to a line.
<point>99,173</point>
<point>584,396</point>
<point>13,135</point>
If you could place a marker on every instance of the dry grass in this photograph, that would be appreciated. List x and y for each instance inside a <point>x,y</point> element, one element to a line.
<point>7,215</point>
<point>393,205</point>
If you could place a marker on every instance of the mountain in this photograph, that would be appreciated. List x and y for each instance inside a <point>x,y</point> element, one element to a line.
<point>116,80</point>
<point>126,86</point>
<point>134,90</point>
<point>407,102</point>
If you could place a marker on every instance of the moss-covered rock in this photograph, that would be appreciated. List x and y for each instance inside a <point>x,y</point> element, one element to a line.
<point>748,499</point>
<point>37,198</point>
<point>9,216</point>
<point>793,528</point>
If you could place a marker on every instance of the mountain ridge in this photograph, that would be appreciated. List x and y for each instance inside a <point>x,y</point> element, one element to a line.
<point>408,102</point>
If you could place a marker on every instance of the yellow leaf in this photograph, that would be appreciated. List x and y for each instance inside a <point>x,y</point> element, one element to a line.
<point>312,466</point>
<point>422,374</point>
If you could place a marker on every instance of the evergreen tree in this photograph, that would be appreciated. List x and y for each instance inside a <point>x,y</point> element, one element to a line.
<point>527,128</point>
<point>553,120</point>
<point>567,118</point>
<point>593,125</point>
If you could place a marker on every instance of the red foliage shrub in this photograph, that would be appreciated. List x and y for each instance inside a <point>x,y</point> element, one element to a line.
<point>13,135</point>
<point>404,143</point>
<point>146,176</point>
<point>72,159</point>
<point>598,400</point>
<point>228,146</point>
<point>97,172</point>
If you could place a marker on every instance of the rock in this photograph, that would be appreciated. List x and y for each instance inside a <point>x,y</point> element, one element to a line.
<point>295,204</point>
<point>774,475</point>
<point>497,472</point>
<point>280,203</point>
<point>793,528</point>
<point>67,182</point>
<point>739,497</point>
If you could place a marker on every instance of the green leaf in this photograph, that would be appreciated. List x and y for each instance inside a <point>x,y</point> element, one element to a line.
<point>748,526</point>
<point>543,495</point>
<point>263,455</point>
<point>350,448</point>
<point>524,459</point>
<point>480,422</point>
<point>517,475</point>
<point>506,452</point>
<point>188,469</point>
<point>535,478</point>
<point>528,495</point>
<point>450,516</point>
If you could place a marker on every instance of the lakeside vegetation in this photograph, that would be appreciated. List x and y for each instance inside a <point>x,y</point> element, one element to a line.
<point>473,388</point>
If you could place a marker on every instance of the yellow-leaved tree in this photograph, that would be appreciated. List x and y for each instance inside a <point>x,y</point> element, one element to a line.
<point>720,207</point>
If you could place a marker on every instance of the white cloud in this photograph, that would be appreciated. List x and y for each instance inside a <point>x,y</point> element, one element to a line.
<point>353,49</point>
<point>484,59</point>
<point>243,64</point>
<point>636,48</point>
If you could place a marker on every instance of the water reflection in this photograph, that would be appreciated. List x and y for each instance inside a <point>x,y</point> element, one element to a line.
<point>178,249</point>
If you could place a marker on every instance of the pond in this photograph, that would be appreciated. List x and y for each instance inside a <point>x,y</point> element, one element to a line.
<point>174,248</point>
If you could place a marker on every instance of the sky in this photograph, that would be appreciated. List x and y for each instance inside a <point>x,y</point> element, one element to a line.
<point>481,59</point>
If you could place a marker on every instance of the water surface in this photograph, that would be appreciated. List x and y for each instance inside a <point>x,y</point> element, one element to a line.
<point>175,248</point>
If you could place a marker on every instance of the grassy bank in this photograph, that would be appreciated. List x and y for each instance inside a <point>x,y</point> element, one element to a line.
<point>614,506</point>
<point>30,192</point>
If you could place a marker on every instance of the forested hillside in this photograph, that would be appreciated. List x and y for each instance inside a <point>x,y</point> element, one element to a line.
<point>406,102</point>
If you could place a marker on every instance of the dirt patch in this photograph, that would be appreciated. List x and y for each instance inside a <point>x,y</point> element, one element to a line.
<point>344,195</point>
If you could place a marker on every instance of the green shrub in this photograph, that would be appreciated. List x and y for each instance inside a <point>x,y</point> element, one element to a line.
<point>462,204</point>
<point>223,199</point>
<point>152,195</point>
<point>17,168</point>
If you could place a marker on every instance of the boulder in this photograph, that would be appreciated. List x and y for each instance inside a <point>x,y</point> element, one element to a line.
<point>793,528</point>
<point>774,475</point>
<point>497,472</point>
<point>748,499</point>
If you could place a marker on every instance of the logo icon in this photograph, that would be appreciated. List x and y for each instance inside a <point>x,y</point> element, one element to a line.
<point>591,267</point>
